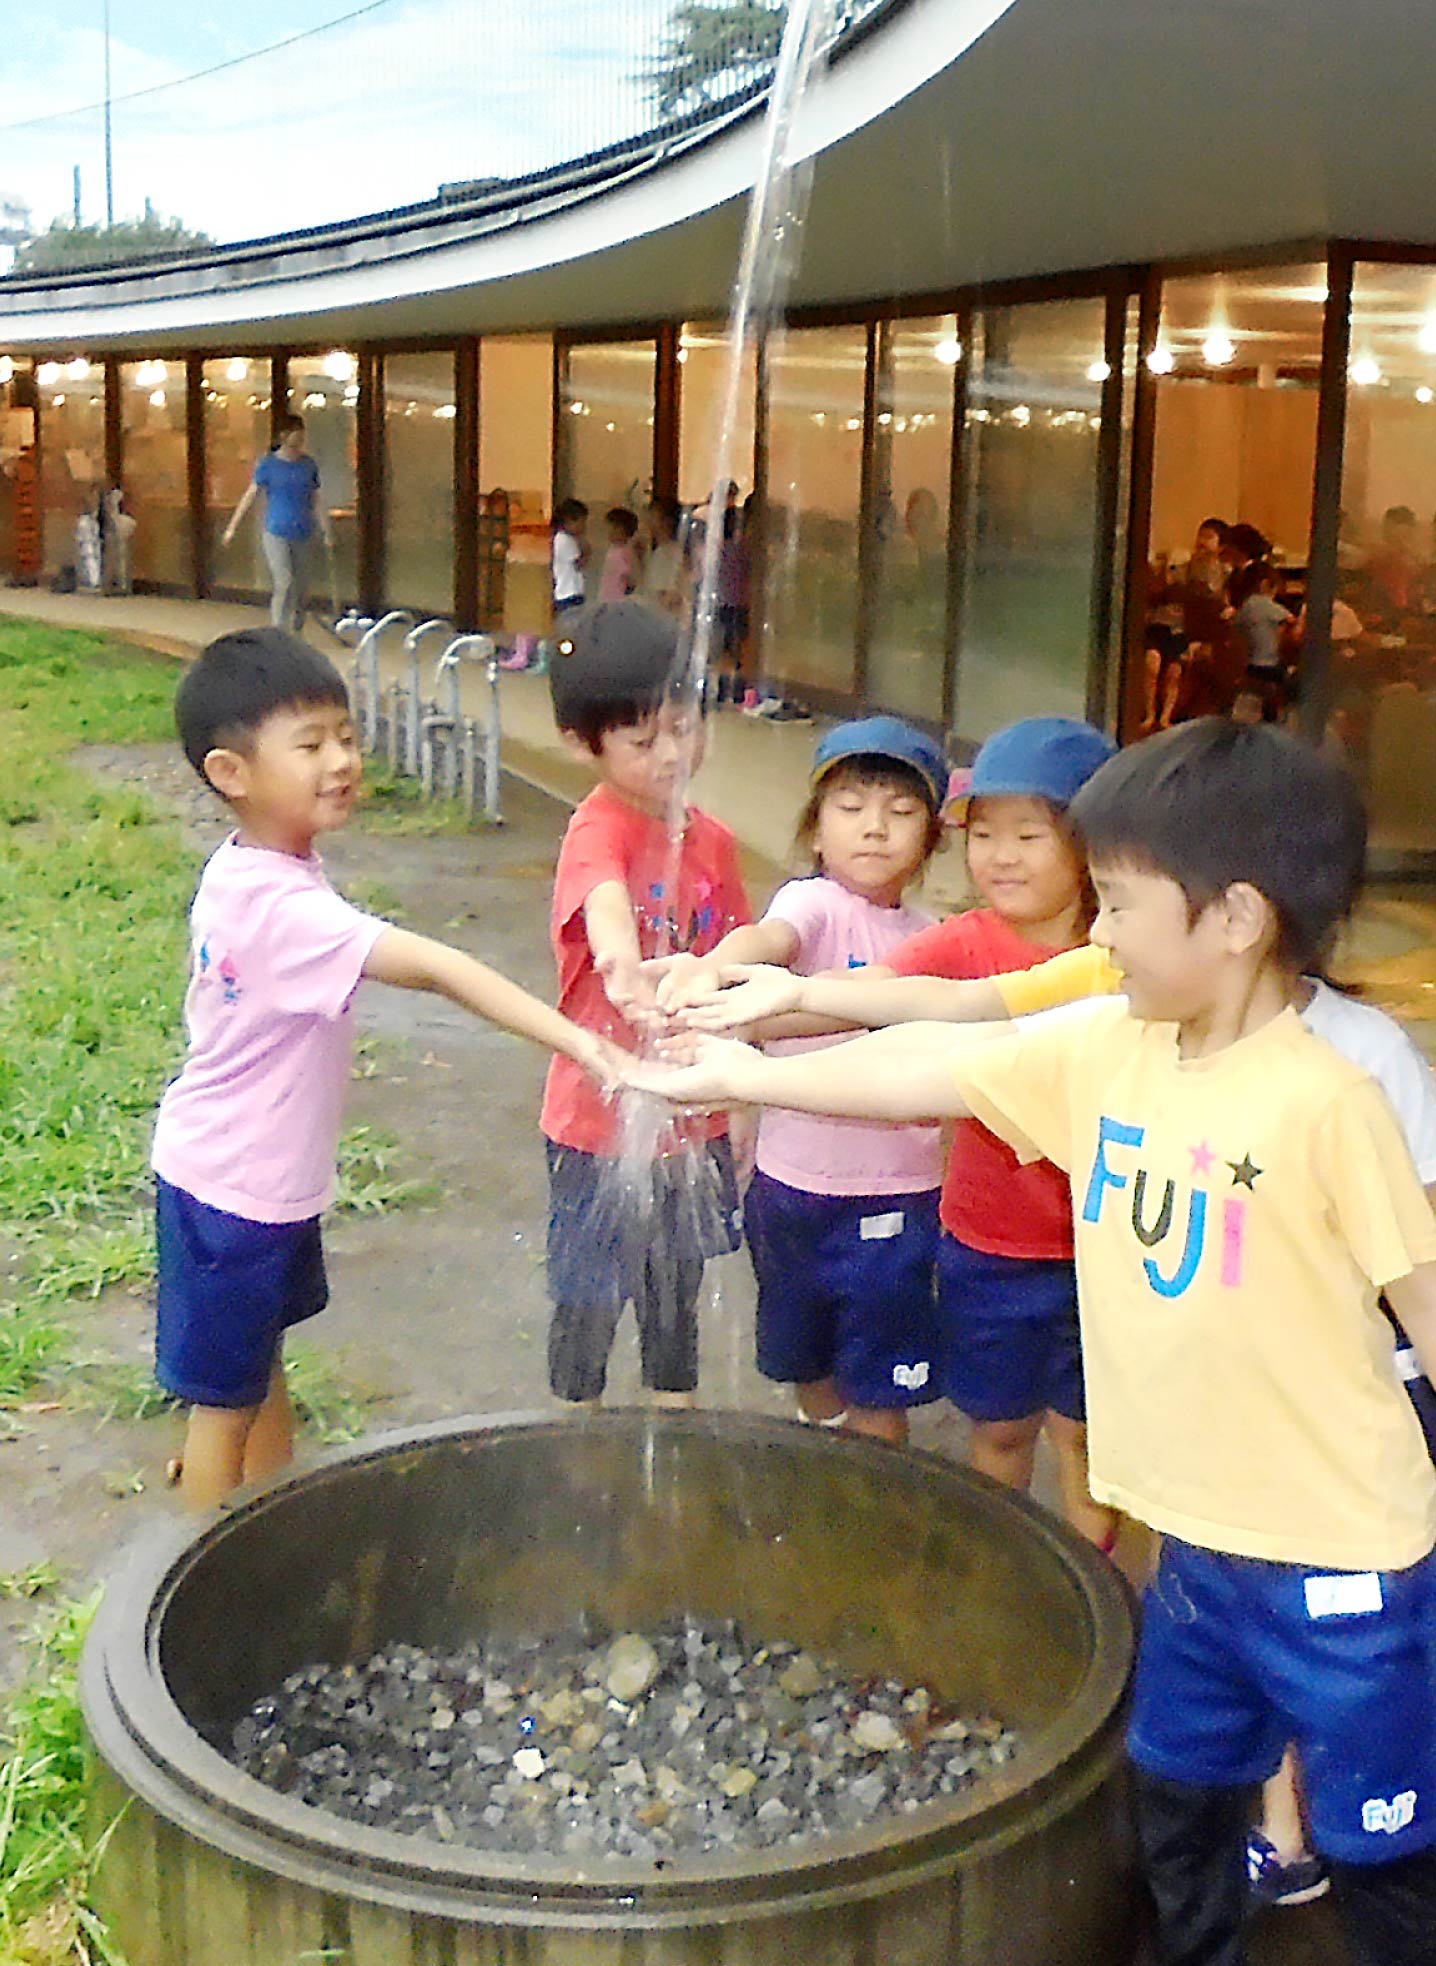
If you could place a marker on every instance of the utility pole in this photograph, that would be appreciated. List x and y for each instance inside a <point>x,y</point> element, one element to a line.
<point>77,198</point>
<point>109,148</point>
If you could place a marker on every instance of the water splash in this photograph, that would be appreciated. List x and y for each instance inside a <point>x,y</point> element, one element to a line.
<point>662,1179</point>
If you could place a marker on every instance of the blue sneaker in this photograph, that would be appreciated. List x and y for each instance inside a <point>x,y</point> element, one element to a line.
<point>1273,1882</point>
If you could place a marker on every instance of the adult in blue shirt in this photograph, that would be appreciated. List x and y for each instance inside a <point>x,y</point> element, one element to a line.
<point>293,511</point>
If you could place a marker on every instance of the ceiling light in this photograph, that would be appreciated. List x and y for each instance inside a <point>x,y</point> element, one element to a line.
<point>339,365</point>
<point>7,370</point>
<point>1218,349</point>
<point>1426,340</point>
<point>157,399</point>
<point>1365,372</point>
<point>1161,361</point>
<point>1425,394</point>
<point>48,374</point>
<point>78,370</point>
<point>1099,370</point>
<point>237,370</point>
<point>948,351</point>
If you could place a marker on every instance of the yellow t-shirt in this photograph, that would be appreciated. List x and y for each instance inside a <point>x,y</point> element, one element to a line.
<point>1085,972</point>
<point>1236,1216</point>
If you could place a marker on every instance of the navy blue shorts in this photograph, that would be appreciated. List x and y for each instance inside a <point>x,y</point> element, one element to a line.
<point>1009,1341</point>
<point>616,1239</point>
<point>1239,1657</point>
<point>845,1290</point>
<point>228,1288</point>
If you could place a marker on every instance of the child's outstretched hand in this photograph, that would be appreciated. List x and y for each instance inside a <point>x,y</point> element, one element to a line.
<point>630,989</point>
<point>684,980</point>
<point>744,993</point>
<point>696,1072</point>
<point>605,1061</point>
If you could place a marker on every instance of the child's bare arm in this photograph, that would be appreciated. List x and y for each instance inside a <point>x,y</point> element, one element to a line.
<point>899,1074</point>
<point>414,962</point>
<point>866,997</point>
<point>1413,1298</point>
<point>613,939</point>
<point>690,980</point>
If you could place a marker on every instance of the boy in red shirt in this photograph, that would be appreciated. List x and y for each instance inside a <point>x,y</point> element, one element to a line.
<point>635,1208</point>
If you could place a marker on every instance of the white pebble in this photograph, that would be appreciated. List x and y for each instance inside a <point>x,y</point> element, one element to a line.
<point>530,1763</point>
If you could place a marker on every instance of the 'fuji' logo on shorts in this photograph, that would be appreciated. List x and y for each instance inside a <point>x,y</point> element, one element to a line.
<point>1391,1816</point>
<point>913,1377</point>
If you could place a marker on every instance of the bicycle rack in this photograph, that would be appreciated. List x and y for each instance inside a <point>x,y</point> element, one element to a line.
<point>367,692</point>
<point>451,745</point>
<point>407,699</point>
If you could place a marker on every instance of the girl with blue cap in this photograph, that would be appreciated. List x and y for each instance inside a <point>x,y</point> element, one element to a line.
<point>841,1216</point>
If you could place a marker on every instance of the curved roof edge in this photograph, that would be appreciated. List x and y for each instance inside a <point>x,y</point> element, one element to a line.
<point>591,206</point>
<point>966,142</point>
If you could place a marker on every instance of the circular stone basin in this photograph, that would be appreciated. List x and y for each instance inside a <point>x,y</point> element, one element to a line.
<point>889,1563</point>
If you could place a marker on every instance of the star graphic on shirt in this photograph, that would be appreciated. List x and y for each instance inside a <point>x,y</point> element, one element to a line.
<point>1244,1172</point>
<point>1202,1158</point>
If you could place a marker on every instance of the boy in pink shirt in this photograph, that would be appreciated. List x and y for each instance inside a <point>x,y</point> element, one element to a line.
<point>247,1135</point>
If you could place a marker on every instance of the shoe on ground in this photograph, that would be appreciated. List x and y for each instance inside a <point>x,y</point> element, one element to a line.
<point>790,713</point>
<point>1274,1880</point>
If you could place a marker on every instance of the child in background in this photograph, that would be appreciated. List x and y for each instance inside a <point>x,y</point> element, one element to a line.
<point>245,1143</point>
<point>841,1218</point>
<point>623,893</point>
<point>1244,1194</point>
<point>1010,1355</point>
<point>569,555</point>
<point>621,562</point>
<point>663,578</point>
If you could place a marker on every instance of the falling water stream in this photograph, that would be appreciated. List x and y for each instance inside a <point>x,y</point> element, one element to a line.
<point>769,256</point>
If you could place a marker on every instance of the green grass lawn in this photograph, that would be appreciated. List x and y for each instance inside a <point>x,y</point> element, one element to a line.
<point>95,887</point>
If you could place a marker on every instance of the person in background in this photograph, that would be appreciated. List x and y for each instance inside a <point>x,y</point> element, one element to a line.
<point>1262,629</point>
<point>663,576</point>
<point>288,477</point>
<point>620,572</point>
<point>569,555</point>
<point>1395,573</point>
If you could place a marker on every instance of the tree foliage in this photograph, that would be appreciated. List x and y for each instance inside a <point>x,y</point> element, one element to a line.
<point>714,48</point>
<point>67,246</point>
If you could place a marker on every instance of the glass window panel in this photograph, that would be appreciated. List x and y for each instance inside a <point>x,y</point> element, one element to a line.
<point>810,547</point>
<point>608,432</point>
<point>703,361</point>
<point>156,471</point>
<point>419,417</point>
<point>1030,492</point>
<point>236,436</point>
<point>1238,363</point>
<point>72,455</point>
<point>515,480</point>
<point>1384,638</point>
<point>324,390</point>
<point>912,469</point>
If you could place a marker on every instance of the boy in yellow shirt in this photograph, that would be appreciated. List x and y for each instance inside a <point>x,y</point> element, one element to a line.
<point>1242,1194</point>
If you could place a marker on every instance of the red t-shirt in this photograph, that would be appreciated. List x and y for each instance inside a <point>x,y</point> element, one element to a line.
<point>989,1200</point>
<point>610,840</point>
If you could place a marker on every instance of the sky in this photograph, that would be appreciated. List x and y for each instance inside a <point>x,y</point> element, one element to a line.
<point>369,114</point>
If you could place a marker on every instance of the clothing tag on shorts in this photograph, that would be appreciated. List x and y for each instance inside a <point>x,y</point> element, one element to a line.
<point>880,1228</point>
<point>1343,1597</point>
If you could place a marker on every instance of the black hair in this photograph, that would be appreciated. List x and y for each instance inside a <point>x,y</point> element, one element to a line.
<point>284,424</point>
<point>1213,802</point>
<point>862,769</point>
<point>624,517</point>
<point>615,665</point>
<point>1398,515</point>
<point>1249,580</point>
<point>240,681</point>
<point>1248,540</point>
<point>1218,526</point>
<point>569,509</point>
<point>668,507</point>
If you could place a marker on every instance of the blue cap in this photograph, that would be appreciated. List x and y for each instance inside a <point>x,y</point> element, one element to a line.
<point>884,737</point>
<point>1040,758</point>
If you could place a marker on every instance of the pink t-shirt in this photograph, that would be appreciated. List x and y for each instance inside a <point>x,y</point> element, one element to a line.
<point>620,572</point>
<point>839,930</point>
<point>251,1125</point>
